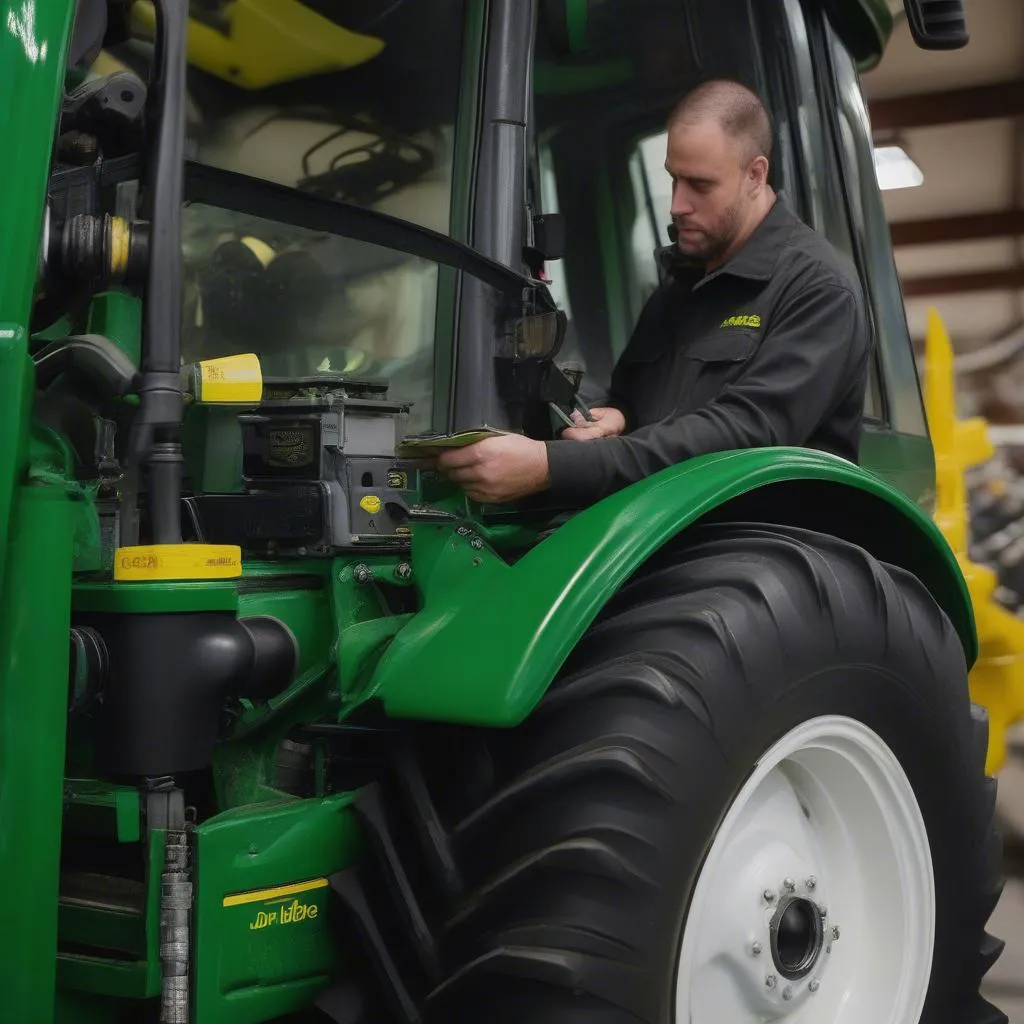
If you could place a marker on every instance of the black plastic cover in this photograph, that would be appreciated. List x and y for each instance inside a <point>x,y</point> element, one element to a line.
<point>937,24</point>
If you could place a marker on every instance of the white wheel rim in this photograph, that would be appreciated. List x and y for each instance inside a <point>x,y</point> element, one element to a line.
<point>829,810</point>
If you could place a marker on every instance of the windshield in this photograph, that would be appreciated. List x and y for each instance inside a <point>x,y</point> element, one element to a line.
<point>346,100</point>
<point>308,302</point>
<point>359,105</point>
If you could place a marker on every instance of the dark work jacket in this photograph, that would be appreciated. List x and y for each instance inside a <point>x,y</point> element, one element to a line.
<point>772,348</point>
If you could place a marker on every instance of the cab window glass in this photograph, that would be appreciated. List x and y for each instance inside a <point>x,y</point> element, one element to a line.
<point>606,170</point>
<point>903,404</point>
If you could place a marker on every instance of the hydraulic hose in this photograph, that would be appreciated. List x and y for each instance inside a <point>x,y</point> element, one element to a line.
<point>158,421</point>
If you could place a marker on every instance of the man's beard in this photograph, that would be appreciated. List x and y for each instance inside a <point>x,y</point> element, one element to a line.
<point>714,245</point>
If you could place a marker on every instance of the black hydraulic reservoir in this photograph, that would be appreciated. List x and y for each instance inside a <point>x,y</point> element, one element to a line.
<point>166,676</point>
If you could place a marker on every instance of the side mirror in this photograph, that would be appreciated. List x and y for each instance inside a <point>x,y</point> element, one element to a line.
<point>937,24</point>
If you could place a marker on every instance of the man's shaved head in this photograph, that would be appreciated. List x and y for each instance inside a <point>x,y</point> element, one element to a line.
<point>718,155</point>
<point>738,110</point>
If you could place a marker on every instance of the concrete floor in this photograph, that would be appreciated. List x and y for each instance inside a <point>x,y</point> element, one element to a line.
<point>1004,984</point>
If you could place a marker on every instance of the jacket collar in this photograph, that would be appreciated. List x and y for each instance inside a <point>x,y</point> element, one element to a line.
<point>755,261</point>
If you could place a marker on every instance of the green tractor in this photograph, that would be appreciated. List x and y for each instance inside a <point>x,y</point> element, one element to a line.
<point>290,730</point>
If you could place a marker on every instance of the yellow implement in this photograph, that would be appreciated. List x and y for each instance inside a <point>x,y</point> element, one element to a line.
<point>267,42</point>
<point>997,679</point>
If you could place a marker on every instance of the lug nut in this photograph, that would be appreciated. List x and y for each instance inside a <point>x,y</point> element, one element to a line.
<point>476,543</point>
<point>403,571</point>
<point>812,883</point>
<point>756,948</point>
<point>771,981</point>
<point>362,574</point>
<point>814,985</point>
<point>787,992</point>
<point>769,895</point>
<point>823,910</point>
<point>835,933</point>
<point>788,884</point>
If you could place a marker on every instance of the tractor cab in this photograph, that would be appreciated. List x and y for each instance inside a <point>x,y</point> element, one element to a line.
<point>460,208</point>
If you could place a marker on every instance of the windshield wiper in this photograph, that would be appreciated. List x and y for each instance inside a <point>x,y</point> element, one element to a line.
<point>255,197</point>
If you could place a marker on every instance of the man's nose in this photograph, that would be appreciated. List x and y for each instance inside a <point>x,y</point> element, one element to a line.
<point>681,204</point>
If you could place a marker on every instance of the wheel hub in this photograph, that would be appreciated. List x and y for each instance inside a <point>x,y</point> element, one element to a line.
<point>787,957</point>
<point>797,937</point>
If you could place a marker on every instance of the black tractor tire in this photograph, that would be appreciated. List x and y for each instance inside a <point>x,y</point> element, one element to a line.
<point>581,834</point>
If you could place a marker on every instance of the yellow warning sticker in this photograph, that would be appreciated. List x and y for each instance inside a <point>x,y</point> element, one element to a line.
<point>371,503</point>
<point>151,562</point>
<point>230,379</point>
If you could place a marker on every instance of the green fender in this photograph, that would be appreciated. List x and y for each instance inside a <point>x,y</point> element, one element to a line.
<point>491,637</point>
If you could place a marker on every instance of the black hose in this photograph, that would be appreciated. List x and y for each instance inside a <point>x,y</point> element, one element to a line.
<point>160,408</point>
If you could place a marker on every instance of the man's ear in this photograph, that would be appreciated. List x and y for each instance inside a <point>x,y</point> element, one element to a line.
<point>758,173</point>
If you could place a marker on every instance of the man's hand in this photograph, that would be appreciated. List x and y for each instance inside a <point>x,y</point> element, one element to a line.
<point>498,469</point>
<point>606,423</point>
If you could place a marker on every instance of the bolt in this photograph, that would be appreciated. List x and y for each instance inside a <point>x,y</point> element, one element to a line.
<point>403,571</point>
<point>812,883</point>
<point>769,896</point>
<point>787,992</point>
<point>463,531</point>
<point>476,543</point>
<point>771,981</point>
<point>362,574</point>
<point>814,985</point>
<point>788,884</point>
<point>756,948</point>
<point>835,933</point>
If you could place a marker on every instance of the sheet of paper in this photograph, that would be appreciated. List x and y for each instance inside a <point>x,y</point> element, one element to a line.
<point>425,446</point>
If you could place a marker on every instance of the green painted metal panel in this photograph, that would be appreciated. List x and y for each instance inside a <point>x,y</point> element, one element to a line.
<point>120,930</point>
<point>136,976</point>
<point>35,616</point>
<point>33,41</point>
<point>102,809</point>
<point>269,950</point>
<point>117,315</point>
<point>865,27</point>
<point>142,598</point>
<point>492,636</point>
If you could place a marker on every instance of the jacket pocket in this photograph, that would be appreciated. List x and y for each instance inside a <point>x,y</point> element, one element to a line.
<point>711,363</point>
<point>727,347</point>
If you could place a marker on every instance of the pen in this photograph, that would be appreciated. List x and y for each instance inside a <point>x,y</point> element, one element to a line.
<point>583,408</point>
<point>557,410</point>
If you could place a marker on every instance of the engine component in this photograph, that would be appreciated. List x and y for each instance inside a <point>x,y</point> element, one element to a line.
<point>168,675</point>
<point>98,250</point>
<point>320,471</point>
<point>110,109</point>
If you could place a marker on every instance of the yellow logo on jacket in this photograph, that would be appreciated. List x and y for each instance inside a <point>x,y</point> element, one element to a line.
<point>747,320</point>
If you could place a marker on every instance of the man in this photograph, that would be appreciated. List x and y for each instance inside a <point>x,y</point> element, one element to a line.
<point>758,337</point>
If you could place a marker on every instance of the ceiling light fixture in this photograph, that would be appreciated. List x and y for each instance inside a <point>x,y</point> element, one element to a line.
<point>894,169</point>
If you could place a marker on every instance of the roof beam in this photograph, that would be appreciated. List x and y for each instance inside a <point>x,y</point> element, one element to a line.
<point>958,284</point>
<point>973,226</point>
<point>1001,99</point>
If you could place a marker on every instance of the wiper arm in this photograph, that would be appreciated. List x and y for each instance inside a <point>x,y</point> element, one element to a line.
<point>258,198</point>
